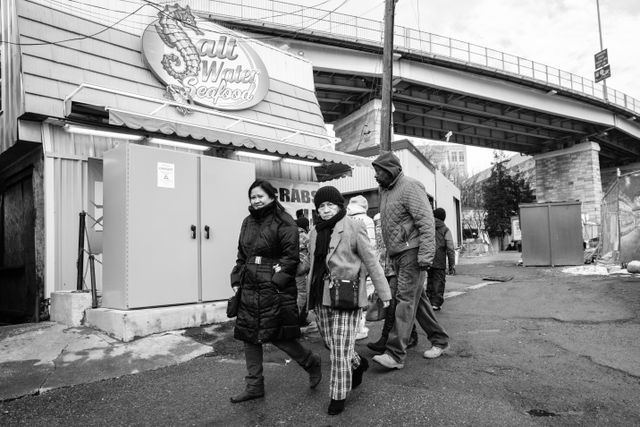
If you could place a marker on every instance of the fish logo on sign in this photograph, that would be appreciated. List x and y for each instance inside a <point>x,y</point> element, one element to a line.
<point>203,63</point>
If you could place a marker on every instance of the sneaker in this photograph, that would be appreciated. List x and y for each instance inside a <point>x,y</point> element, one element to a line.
<point>435,351</point>
<point>436,308</point>
<point>387,361</point>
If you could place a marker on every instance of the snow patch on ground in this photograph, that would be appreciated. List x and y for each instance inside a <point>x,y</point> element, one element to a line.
<point>589,269</point>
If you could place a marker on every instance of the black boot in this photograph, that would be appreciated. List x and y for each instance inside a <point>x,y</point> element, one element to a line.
<point>380,345</point>
<point>356,378</point>
<point>247,395</point>
<point>314,368</point>
<point>336,406</point>
<point>302,320</point>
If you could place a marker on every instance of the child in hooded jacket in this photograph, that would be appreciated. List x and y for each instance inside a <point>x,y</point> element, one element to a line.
<point>357,209</point>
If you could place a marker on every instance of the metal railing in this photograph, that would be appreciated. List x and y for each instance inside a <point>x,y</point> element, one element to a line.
<point>296,18</point>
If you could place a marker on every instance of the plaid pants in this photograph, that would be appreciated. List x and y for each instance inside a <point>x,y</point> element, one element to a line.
<point>338,331</point>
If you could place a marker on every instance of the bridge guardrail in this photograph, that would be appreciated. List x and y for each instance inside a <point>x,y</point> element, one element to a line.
<point>332,24</point>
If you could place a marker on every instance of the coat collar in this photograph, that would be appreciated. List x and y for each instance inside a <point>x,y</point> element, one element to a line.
<point>395,180</point>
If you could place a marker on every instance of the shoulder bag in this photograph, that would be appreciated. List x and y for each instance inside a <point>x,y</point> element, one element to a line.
<point>376,309</point>
<point>344,293</point>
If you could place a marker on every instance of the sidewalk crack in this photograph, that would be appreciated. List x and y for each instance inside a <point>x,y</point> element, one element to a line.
<point>55,367</point>
<point>581,321</point>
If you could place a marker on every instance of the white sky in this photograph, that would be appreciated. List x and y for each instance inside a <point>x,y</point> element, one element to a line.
<point>559,33</point>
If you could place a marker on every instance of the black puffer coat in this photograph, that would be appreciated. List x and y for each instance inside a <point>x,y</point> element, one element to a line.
<point>268,309</point>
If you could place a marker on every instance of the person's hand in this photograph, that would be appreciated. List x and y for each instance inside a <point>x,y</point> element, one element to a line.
<point>452,271</point>
<point>386,303</point>
<point>277,268</point>
<point>235,289</point>
<point>425,267</point>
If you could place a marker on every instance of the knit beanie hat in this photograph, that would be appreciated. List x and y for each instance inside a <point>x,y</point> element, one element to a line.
<point>328,194</point>
<point>389,162</point>
<point>303,223</point>
<point>440,214</point>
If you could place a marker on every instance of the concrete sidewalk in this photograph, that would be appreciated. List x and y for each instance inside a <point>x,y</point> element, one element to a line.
<point>47,355</point>
<point>38,357</point>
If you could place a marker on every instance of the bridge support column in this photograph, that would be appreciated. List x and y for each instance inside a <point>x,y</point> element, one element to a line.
<point>572,174</point>
<point>360,129</point>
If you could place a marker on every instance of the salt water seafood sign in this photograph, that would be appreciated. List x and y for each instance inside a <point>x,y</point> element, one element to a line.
<point>202,62</point>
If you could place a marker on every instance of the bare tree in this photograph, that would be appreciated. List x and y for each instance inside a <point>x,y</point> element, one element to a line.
<point>473,212</point>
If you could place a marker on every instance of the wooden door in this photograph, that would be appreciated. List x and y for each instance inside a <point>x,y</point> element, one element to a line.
<point>19,298</point>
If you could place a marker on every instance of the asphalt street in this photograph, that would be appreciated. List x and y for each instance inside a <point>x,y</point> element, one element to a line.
<point>542,349</point>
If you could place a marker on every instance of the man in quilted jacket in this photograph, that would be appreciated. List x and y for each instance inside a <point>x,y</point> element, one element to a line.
<point>409,234</point>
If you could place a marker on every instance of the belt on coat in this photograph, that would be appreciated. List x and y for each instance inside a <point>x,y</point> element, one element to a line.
<point>261,260</point>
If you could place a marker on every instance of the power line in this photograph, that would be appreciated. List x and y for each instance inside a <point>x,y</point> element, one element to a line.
<point>77,38</point>
<point>161,11</point>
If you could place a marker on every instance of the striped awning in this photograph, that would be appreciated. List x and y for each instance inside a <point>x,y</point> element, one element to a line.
<point>222,136</point>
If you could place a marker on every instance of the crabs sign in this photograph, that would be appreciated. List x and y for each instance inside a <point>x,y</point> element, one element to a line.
<point>202,62</point>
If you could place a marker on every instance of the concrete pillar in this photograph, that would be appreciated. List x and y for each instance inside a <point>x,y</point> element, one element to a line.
<point>360,129</point>
<point>572,174</point>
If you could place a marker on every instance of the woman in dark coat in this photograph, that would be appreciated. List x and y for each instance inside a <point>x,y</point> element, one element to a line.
<point>265,274</point>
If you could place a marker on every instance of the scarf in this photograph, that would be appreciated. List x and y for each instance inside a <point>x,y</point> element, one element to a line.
<point>262,212</point>
<point>323,238</point>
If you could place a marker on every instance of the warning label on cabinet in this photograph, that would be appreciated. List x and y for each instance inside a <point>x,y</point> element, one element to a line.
<point>166,175</point>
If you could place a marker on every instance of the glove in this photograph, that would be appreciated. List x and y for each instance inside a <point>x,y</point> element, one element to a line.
<point>452,271</point>
<point>425,267</point>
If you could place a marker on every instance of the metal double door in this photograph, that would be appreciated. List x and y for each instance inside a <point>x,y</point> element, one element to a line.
<point>185,215</point>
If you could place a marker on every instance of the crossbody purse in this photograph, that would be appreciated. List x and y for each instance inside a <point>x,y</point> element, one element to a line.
<point>344,293</point>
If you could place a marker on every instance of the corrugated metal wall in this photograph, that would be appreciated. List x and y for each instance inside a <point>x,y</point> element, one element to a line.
<point>66,154</point>
<point>10,84</point>
<point>362,178</point>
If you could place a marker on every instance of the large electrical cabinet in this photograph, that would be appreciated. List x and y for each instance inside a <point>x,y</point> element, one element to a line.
<point>171,226</point>
<point>551,234</point>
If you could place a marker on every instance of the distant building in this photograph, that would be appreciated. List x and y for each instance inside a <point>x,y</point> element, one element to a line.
<point>449,158</point>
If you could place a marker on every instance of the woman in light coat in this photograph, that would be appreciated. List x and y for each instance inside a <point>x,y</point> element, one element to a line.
<point>339,247</point>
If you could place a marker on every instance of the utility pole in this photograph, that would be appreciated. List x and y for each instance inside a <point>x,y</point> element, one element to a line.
<point>387,76</point>
<point>604,82</point>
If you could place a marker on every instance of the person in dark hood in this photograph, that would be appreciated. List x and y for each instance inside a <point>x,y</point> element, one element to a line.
<point>265,276</point>
<point>409,236</point>
<point>445,249</point>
